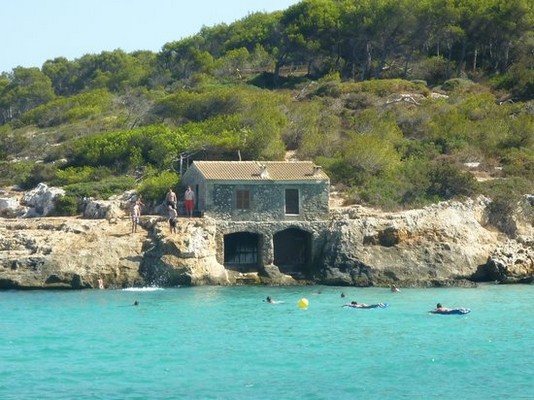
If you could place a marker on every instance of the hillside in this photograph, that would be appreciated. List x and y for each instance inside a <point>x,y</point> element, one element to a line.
<point>404,104</point>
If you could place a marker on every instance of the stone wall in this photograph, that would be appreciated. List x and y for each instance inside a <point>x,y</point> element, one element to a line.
<point>316,229</point>
<point>267,201</point>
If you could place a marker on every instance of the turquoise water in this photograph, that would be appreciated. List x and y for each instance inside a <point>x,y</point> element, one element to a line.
<point>226,343</point>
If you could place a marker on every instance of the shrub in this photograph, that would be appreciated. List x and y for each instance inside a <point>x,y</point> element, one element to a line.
<point>155,186</point>
<point>39,173</point>
<point>14,173</point>
<point>519,163</point>
<point>456,83</point>
<point>103,189</point>
<point>432,69</point>
<point>506,195</point>
<point>385,87</point>
<point>66,205</point>
<point>328,89</point>
<point>72,175</point>
<point>449,180</point>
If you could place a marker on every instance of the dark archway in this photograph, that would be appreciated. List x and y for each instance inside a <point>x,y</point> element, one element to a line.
<point>292,251</point>
<point>242,251</point>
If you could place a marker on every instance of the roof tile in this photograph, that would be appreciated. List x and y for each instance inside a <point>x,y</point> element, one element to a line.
<point>252,170</point>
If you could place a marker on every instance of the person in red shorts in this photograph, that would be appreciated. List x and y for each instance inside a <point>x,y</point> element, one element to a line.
<point>189,199</point>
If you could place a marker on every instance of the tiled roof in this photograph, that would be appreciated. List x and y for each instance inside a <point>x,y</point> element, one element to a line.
<point>252,170</point>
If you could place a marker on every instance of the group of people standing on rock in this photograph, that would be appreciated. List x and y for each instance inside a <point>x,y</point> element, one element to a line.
<point>171,201</point>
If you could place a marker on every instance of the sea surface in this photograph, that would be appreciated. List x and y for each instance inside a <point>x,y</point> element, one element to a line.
<point>227,343</point>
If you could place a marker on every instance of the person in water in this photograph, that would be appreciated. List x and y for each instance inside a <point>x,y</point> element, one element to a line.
<point>394,288</point>
<point>354,304</point>
<point>269,300</point>
<point>440,309</point>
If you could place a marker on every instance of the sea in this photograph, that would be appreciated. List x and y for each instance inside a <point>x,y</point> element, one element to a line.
<point>229,343</point>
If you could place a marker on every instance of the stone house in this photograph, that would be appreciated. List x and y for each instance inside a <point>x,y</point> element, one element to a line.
<point>267,212</point>
<point>259,191</point>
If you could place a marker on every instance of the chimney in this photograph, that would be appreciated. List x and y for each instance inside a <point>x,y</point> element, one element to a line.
<point>264,174</point>
<point>316,170</point>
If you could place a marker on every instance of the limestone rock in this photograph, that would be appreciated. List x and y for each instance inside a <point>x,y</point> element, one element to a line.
<point>446,244</point>
<point>513,262</point>
<point>102,209</point>
<point>10,207</point>
<point>431,246</point>
<point>40,200</point>
<point>183,258</point>
<point>68,253</point>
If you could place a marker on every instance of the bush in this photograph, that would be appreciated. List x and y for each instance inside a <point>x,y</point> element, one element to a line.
<point>14,173</point>
<point>506,195</point>
<point>66,205</point>
<point>39,173</point>
<point>519,163</point>
<point>456,83</point>
<point>385,87</point>
<point>154,187</point>
<point>328,89</point>
<point>103,189</point>
<point>69,109</point>
<point>448,181</point>
<point>432,69</point>
<point>73,175</point>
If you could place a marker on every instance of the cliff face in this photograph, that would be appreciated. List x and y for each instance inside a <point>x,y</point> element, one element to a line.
<point>445,244</point>
<point>439,245</point>
<point>68,253</point>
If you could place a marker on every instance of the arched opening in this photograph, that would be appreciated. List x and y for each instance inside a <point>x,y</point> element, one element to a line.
<point>242,251</point>
<point>292,251</point>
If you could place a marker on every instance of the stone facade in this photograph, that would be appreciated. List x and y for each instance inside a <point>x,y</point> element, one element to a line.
<point>273,240</point>
<point>268,191</point>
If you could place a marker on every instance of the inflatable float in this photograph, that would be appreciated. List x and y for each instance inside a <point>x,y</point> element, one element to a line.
<point>365,306</point>
<point>452,311</point>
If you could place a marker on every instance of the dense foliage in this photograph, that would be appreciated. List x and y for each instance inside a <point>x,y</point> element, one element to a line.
<point>397,99</point>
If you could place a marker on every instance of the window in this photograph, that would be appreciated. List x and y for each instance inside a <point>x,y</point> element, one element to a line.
<point>292,201</point>
<point>242,200</point>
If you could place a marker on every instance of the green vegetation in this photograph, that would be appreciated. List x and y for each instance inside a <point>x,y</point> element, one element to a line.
<point>155,184</point>
<point>392,98</point>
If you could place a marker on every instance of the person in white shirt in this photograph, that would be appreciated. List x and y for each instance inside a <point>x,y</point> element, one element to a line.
<point>189,200</point>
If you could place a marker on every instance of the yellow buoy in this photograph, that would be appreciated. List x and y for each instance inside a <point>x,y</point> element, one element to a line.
<point>303,303</point>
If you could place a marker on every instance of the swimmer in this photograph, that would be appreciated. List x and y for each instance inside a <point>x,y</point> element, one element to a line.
<point>394,288</point>
<point>135,303</point>
<point>440,309</point>
<point>271,301</point>
<point>342,294</point>
<point>354,304</point>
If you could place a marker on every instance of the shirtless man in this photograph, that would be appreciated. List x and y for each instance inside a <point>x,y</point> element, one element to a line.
<point>136,214</point>
<point>171,198</point>
<point>440,309</point>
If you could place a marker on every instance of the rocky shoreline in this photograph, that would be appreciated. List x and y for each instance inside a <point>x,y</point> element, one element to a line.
<point>446,244</point>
